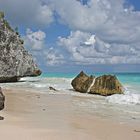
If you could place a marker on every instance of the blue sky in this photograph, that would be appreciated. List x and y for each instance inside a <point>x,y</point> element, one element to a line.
<point>135,3</point>
<point>72,35</point>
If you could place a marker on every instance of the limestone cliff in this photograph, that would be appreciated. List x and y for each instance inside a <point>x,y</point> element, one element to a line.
<point>2,99</point>
<point>15,61</point>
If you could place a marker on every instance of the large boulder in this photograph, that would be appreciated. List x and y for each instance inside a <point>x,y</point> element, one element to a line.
<point>82,82</point>
<point>103,85</point>
<point>106,85</point>
<point>15,61</point>
<point>2,99</point>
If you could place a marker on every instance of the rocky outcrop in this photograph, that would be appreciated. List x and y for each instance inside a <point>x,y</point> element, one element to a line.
<point>53,89</point>
<point>104,85</point>
<point>15,61</point>
<point>2,99</point>
<point>82,82</point>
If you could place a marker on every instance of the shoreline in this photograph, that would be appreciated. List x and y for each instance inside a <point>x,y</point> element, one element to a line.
<point>36,116</point>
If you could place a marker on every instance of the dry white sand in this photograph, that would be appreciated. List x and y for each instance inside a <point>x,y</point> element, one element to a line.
<point>32,116</point>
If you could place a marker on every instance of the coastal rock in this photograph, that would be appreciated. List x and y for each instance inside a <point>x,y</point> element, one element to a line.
<point>1,118</point>
<point>82,82</point>
<point>52,88</point>
<point>15,61</point>
<point>2,99</point>
<point>106,85</point>
<point>103,85</point>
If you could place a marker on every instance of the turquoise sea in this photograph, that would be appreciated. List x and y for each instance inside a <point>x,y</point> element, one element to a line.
<point>123,108</point>
<point>129,80</point>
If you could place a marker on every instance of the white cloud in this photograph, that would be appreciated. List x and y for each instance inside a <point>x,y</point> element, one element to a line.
<point>91,40</point>
<point>28,13</point>
<point>53,57</point>
<point>85,48</point>
<point>103,31</point>
<point>109,19</point>
<point>35,40</point>
<point>82,48</point>
<point>117,31</point>
<point>122,50</point>
<point>45,15</point>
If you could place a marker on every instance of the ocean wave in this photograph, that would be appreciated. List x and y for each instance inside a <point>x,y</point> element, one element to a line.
<point>39,85</point>
<point>127,99</point>
<point>131,96</point>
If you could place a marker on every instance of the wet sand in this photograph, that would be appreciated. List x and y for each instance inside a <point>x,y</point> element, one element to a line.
<point>34,116</point>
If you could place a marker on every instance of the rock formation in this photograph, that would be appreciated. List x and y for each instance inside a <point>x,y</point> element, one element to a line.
<point>104,85</point>
<point>2,99</point>
<point>15,61</point>
<point>52,88</point>
<point>82,82</point>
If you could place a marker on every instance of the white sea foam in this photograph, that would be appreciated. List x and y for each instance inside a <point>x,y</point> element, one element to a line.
<point>131,99</point>
<point>39,85</point>
<point>29,79</point>
<point>131,96</point>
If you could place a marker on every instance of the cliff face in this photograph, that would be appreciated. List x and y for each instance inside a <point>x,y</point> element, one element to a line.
<point>2,100</point>
<point>15,61</point>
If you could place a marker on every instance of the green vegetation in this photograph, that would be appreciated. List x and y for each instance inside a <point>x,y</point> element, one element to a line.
<point>7,25</point>
<point>5,22</point>
<point>1,14</point>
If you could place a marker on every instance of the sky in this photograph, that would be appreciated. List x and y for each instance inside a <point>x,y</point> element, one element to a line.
<point>68,36</point>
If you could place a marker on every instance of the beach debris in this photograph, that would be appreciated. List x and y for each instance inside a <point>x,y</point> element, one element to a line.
<point>103,85</point>
<point>52,88</point>
<point>82,82</point>
<point>15,61</point>
<point>2,99</point>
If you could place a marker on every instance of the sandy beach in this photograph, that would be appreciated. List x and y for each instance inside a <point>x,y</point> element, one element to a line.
<point>35,116</point>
